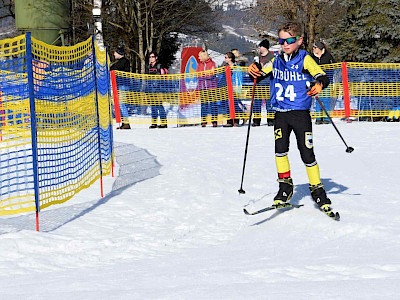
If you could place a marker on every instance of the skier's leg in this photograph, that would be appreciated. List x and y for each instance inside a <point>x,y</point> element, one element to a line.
<point>282,132</point>
<point>302,127</point>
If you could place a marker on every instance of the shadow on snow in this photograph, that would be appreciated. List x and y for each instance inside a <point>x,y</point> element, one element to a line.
<point>136,165</point>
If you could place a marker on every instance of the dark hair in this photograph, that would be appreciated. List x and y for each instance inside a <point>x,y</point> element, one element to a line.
<point>154,53</point>
<point>231,56</point>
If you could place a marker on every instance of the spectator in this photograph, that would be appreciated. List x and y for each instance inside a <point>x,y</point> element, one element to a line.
<point>265,57</point>
<point>237,81</point>
<point>322,56</point>
<point>154,90</point>
<point>239,58</point>
<point>121,63</point>
<point>206,82</point>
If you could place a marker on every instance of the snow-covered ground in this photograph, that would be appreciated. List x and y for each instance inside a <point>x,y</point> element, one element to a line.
<point>172,224</point>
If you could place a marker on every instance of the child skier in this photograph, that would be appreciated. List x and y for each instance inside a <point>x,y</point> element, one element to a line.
<point>292,73</point>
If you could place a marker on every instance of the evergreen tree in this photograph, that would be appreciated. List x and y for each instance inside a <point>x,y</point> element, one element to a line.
<point>368,32</point>
<point>169,46</point>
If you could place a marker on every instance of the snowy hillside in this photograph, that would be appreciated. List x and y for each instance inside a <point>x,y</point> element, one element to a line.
<point>172,225</point>
<point>238,4</point>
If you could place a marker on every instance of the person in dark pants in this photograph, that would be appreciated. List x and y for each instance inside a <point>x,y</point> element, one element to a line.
<point>265,57</point>
<point>121,63</point>
<point>207,82</point>
<point>291,72</point>
<point>156,97</point>
<point>322,56</point>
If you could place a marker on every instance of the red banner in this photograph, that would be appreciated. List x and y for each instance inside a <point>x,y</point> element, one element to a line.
<point>188,88</point>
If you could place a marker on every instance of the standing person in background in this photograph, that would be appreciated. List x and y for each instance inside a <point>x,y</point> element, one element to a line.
<point>241,61</point>
<point>322,57</point>
<point>239,58</point>
<point>237,81</point>
<point>154,90</point>
<point>206,82</point>
<point>265,57</point>
<point>121,63</point>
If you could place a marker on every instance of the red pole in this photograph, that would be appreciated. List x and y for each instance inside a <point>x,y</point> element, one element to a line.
<point>346,92</point>
<point>231,97</point>
<point>116,98</point>
<point>37,221</point>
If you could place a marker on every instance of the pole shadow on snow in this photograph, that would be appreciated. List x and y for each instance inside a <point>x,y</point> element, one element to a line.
<point>136,165</point>
<point>302,191</point>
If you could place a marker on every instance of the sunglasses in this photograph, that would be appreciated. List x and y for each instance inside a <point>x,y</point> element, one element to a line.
<point>152,56</point>
<point>289,41</point>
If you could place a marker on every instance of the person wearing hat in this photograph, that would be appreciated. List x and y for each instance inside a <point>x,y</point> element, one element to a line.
<point>121,63</point>
<point>322,57</point>
<point>265,57</point>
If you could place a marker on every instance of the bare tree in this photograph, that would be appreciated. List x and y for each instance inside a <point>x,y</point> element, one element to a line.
<point>7,9</point>
<point>97,23</point>
<point>7,19</point>
<point>143,24</point>
<point>312,14</point>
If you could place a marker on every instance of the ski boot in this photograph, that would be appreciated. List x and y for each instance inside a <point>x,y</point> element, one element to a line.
<point>319,196</point>
<point>285,192</point>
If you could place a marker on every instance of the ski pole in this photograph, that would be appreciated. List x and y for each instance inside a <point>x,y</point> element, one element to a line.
<point>241,190</point>
<point>348,149</point>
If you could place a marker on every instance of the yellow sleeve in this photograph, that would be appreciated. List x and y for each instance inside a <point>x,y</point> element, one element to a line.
<point>267,68</point>
<point>312,67</point>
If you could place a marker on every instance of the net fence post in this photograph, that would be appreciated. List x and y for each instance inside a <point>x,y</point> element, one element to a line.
<point>31,89</point>
<point>110,114</point>
<point>97,115</point>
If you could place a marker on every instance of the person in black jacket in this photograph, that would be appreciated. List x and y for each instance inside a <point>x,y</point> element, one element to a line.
<point>264,58</point>
<point>322,56</point>
<point>154,91</point>
<point>121,63</point>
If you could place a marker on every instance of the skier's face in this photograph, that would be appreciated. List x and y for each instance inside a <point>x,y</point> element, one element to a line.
<point>289,48</point>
